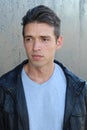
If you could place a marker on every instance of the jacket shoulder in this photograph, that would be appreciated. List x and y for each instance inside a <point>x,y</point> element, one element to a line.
<point>73,80</point>
<point>10,78</point>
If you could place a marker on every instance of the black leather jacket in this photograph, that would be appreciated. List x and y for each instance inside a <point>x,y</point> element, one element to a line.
<point>13,110</point>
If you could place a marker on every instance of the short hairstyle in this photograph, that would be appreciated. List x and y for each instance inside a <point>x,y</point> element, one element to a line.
<point>42,14</point>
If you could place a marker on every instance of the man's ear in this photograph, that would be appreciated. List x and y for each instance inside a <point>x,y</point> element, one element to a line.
<point>59,42</point>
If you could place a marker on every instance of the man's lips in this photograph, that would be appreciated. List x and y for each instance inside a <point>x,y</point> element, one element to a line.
<point>37,57</point>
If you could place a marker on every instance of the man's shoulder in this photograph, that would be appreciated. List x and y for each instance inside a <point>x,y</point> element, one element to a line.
<point>11,76</point>
<point>70,76</point>
<point>74,82</point>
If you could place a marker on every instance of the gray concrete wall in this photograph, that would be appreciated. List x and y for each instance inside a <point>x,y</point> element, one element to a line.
<point>73,14</point>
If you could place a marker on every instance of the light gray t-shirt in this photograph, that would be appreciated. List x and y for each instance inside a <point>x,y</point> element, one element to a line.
<point>46,102</point>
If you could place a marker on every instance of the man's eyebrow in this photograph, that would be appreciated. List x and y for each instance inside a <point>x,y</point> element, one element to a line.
<point>43,36</point>
<point>28,36</point>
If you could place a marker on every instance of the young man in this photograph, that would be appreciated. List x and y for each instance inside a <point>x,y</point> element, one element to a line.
<point>40,93</point>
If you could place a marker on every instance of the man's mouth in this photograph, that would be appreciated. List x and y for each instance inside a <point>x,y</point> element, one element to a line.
<point>37,57</point>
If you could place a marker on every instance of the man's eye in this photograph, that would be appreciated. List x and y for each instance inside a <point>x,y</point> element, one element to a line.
<point>45,39</point>
<point>28,39</point>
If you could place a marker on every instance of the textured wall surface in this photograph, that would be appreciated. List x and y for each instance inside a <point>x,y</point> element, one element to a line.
<point>73,14</point>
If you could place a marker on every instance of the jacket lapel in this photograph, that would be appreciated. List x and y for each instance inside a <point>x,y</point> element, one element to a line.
<point>70,101</point>
<point>23,121</point>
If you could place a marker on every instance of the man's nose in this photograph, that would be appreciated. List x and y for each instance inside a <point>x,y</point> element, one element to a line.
<point>36,46</point>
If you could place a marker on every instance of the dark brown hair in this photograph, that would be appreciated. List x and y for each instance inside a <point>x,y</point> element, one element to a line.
<point>42,14</point>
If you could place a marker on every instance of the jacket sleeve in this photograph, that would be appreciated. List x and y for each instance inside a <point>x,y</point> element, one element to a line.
<point>1,109</point>
<point>86,104</point>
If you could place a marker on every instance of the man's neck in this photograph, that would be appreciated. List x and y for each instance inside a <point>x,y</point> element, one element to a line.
<point>39,74</point>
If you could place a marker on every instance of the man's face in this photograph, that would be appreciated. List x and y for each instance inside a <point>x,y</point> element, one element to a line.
<point>40,43</point>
